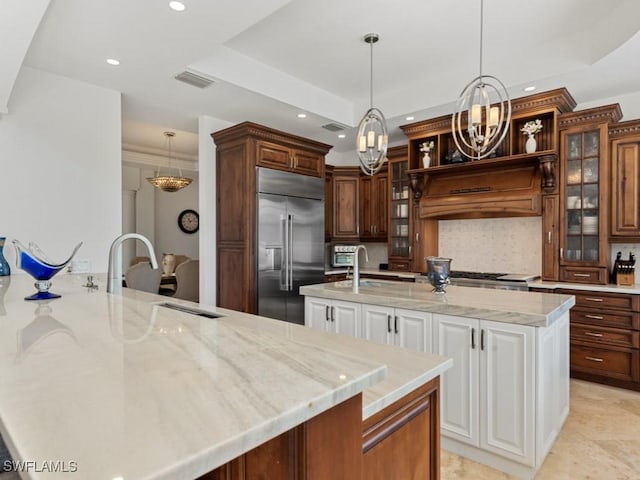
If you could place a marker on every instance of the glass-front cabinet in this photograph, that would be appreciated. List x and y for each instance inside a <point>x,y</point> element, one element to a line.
<point>399,250</point>
<point>583,239</point>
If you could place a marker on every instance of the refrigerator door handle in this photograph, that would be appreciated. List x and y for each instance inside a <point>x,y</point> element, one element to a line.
<point>284,272</point>
<point>290,250</point>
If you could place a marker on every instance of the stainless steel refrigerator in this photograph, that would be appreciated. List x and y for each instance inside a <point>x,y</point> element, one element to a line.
<point>290,241</point>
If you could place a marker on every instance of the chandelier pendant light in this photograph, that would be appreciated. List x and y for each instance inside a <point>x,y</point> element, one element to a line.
<point>373,139</point>
<point>487,124</point>
<point>169,183</point>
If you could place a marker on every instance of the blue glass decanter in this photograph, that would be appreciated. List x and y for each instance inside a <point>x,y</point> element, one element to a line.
<point>36,264</point>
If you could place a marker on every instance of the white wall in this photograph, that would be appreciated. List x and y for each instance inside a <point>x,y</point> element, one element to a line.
<point>168,236</point>
<point>60,165</point>
<point>155,214</point>
<point>207,170</point>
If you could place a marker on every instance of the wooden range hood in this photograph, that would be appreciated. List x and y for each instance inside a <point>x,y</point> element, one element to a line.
<point>504,187</point>
<point>510,185</point>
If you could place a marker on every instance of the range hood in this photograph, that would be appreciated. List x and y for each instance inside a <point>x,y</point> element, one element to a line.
<point>504,187</point>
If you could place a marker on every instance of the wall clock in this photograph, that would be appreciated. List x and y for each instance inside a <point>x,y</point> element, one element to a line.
<point>189,221</point>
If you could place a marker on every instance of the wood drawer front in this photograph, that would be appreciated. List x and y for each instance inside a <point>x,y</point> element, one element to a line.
<point>605,335</point>
<point>620,363</point>
<point>602,317</point>
<point>308,163</point>
<point>583,275</point>
<point>271,155</point>
<point>400,266</point>
<point>601,300</point>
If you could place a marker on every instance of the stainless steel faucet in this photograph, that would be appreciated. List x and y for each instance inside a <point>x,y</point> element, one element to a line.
<point>356,267</point>
<point>114,277</point>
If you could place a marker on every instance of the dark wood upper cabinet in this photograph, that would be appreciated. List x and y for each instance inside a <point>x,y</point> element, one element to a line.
<point>625,182</point>
<point>346,189</point>
<point>373,206</point>
<point>584,194</point>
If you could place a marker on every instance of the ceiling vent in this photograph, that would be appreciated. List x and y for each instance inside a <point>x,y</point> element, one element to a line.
<point>333,127</point>
<point>194,79</point>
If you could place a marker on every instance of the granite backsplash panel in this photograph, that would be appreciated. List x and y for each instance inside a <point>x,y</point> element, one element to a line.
<point>496,245</point>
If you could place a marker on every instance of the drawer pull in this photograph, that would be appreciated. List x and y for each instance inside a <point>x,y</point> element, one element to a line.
<point>581,275</point>
<point>591,334</point>
<point>594,359</point>
<point>595,317</point>
<point>591,299</point>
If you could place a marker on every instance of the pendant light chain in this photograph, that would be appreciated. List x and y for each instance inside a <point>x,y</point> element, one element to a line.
<point>371,74</point>
<point>481,32</point>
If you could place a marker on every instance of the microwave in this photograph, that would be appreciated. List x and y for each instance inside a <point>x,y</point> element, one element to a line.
<point>342,255</point>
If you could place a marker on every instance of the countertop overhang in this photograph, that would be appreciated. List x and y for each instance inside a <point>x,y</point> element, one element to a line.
<point>127,388</point>
<point>523,308</point>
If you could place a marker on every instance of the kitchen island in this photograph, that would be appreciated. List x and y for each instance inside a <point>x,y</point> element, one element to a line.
<point>506,398</point>
<point>120,386</point>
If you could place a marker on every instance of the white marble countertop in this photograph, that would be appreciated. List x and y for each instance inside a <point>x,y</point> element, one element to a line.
<point>524,308</point>
<point>634,289</point>
<point>126,388</point>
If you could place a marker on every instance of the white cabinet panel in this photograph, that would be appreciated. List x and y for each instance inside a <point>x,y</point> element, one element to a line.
<point>396,326</point>
<point>316,313</point>
<point>377,323</point>
<point>334,316</point>
<point>507,390</point>
<point>414,330</point>
<point>456,337</point>
<point>345,317</point>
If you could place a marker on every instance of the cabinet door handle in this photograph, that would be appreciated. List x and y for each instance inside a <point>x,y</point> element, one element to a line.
<point>591,299</point>
<point>473,338</point>
<point>549,238</point>
<point>326,313</point>
<point>581,275</point>
<point>389,323</point>
<point>333,313</point>
<point>591,334</point>
<point>395,324</point>
<point>595,317</point>
<point>482,339</point>
<point>561,253</point>
<point>594,359</point>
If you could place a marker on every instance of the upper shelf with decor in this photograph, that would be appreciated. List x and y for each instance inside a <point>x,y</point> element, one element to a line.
<point>435,137</point>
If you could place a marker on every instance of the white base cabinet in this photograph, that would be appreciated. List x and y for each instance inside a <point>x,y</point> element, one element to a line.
<point>335,316</point>
<point>506,397</point>
<point>397,326</point>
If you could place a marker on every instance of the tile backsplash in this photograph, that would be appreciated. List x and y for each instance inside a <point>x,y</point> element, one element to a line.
<point>497,245</point>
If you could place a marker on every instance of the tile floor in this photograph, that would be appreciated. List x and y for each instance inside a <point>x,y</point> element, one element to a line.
<point>599,441</point>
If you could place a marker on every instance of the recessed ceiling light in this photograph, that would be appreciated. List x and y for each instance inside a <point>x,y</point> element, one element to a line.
<point>342,135</point>
<point>112,61</point>
<point>177,6</point>
<point>530,88</point>
<point>302,115</point>
<point>410,118</point>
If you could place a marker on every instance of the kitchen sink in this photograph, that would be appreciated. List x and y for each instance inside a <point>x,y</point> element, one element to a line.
<point>190,310</point>
<point>363,283</point>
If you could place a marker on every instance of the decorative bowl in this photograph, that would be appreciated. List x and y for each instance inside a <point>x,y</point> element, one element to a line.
<point>33,261</point>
